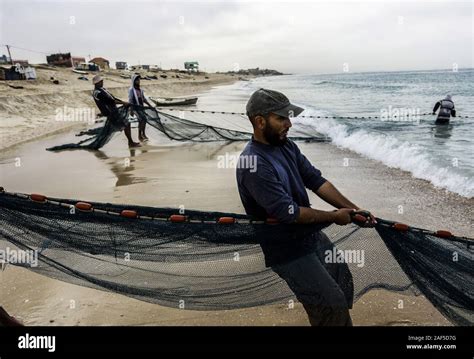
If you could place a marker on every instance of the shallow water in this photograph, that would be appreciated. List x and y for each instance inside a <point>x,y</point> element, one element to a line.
<point>442,155</point>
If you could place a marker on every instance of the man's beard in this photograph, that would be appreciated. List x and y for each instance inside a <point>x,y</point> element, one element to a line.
<point>273,137</point>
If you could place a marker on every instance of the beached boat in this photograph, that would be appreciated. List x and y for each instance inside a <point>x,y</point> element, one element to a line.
<point>174,101</point>
<point>80,72</point>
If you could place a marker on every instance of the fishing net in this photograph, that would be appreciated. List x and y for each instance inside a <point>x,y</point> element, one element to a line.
<point>179,126</point>
<point>211,260</point>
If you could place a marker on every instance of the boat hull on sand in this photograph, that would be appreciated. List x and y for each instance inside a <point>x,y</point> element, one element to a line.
<point>174,101</point>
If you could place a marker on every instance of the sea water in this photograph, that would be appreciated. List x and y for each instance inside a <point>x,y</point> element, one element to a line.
<point>401,136</point>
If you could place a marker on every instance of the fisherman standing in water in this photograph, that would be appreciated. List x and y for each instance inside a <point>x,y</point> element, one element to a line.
<point>137,97</point>
<point>107,105</point>
<point>446,110</point>
<point>276,188</point>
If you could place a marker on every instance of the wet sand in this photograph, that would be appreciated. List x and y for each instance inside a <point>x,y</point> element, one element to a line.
<point>170,174</point>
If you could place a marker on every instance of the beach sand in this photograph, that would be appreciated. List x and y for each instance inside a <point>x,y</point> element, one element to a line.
<point>169,174</point>
<point>32,112</point>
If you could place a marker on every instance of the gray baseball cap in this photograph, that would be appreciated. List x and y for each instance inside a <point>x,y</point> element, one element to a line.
<point>264,101</point>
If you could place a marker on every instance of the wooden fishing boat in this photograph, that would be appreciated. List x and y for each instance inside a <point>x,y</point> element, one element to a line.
<point>174,101</point>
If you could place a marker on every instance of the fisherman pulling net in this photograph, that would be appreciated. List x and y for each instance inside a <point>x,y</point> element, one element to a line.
<point>207,260</point>
<point>174,127</point>
<point>210,260</point>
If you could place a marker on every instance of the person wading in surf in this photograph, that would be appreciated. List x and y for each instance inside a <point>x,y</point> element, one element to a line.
<point>446,110</point>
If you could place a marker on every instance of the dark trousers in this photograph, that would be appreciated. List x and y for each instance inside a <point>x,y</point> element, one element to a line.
<point>324,289</point>
<point>442,121</point>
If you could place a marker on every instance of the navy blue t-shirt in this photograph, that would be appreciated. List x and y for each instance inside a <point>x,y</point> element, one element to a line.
<point>272,180</point>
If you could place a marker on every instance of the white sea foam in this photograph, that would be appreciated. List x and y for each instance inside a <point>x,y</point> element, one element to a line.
<point>394,153</point>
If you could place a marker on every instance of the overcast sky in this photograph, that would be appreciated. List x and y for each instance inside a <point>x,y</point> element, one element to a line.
<point>304,37</point>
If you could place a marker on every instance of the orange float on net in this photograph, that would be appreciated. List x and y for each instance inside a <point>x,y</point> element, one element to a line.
<point>84,206</point>
<point>226,220</point>
<point>402,227</point>
<point>272,221</point>
<point>176,218</point>
<point>444,234</point>
<point>38,197</point>
<point>129,213</point>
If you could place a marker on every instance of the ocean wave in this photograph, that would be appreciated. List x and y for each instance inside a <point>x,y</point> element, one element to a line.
<point>356,85</point>
<point>394,153</point>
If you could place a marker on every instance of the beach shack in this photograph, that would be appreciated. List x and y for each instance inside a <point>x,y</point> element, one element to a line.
<point>4,59</point>
<point>60,59</point>
<point>76,61</point>
<point>104,64</point>
<point>11,73</point>
<point>121,65</point>
<point>191,66</point>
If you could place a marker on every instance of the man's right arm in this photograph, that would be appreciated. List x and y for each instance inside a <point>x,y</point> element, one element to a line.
<point>309,215</point>
<point>105,97</point>
<point>269,193</point>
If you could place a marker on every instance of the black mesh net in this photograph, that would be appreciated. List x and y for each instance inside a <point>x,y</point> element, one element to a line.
<point>187,126</point>
<point>211,260</point>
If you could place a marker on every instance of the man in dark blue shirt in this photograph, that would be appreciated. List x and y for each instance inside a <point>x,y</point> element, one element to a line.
<point>274,186</point>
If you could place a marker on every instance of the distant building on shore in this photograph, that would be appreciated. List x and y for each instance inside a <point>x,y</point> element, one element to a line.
<point>77,60</point>
<point>191,66</point>
<point>121,65</point>
<point>60,59</point>
<point>11,73</point>
<point>104,64</point>
<point>4,59</point>
<point>21,62</point>
<point>20,71</point>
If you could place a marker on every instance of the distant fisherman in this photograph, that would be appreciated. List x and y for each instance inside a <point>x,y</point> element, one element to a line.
<point>107,105</point>
<point>136,96</point>
<point>446,110</point>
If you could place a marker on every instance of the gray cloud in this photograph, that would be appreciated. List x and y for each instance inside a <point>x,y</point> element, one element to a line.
<point>291,37</point>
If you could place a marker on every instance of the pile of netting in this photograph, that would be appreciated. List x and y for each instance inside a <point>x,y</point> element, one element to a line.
<point>211,260</point>
<point>187,126</point>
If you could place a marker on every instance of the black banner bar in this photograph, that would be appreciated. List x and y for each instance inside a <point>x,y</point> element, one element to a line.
<point>450,342</point>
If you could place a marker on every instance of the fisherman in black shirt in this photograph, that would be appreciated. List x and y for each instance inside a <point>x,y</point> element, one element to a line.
<point>107,105</point>
<point>446,110</point>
